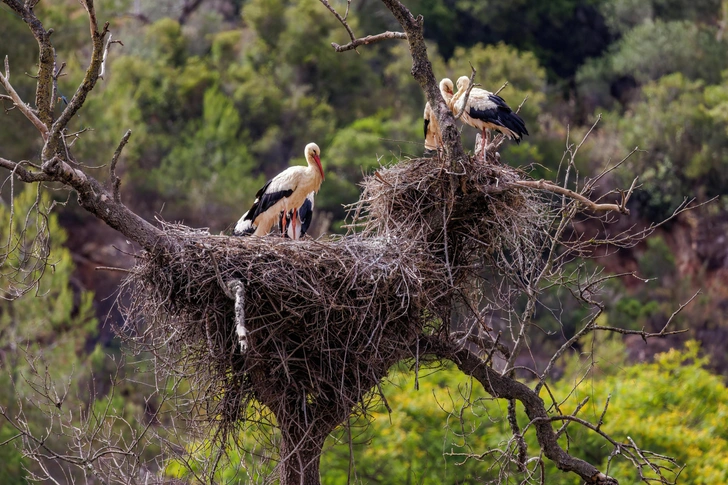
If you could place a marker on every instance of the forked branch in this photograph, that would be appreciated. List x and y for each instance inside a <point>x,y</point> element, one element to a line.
<point>619,206</point>
<point>356,42</point>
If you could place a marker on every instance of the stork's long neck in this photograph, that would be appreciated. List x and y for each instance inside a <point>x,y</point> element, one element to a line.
<point>447,97</point>
<point>454,99</point>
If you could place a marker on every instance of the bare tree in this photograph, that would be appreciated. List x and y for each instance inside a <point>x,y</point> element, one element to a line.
<point>450,263</point>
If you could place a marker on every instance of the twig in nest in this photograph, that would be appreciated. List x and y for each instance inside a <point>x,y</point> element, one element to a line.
<point>239,289</point>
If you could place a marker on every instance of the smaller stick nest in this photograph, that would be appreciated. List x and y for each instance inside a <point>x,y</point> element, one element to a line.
<point>468,217</point>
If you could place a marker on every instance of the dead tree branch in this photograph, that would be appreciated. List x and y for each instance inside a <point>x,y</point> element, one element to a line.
<point>114,181</point>
<point>504,387</point>
<point>56,161</point>
<point>421,71</point>
<point>369,39</point>
<point>619,206</point>
<point>24,108</point>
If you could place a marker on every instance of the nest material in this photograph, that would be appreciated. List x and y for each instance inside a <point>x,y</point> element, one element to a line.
<point>326,318</point>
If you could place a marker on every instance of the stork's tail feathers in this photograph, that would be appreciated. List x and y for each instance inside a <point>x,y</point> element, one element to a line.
<point>244,227</point>
<point>514,124</point>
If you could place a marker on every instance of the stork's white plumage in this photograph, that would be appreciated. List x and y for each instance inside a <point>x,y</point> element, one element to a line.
<point>487,111</point>
<point>433,140</point>
<point>283,193</point>
<point>299,219</point>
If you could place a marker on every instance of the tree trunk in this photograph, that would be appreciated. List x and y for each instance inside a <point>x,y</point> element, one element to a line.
<point>300,455</point>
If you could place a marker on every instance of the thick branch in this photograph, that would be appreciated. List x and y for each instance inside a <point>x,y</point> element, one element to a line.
<point>369,39</point>
<point>422,72</point>
<point>504,387</point>
<point>98,201</point>
<point>23,173</point>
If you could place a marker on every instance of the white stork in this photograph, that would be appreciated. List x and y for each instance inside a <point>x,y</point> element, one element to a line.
<point>298,219</point>
<point>285,192</point>
<point>486,111</point>
<point>433,140</point>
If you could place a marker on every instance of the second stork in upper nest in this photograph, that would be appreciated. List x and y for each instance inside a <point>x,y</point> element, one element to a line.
<point>487,111</point>
<point>284,194</point>
<point>433,139</point>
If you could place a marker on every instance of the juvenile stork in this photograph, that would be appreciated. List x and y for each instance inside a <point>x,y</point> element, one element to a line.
<point>285,192</point>
<point>487,111</point>
<point>299,219</point>
<point>433,139</point>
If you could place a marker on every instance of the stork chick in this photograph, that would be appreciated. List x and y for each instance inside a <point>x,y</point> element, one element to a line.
<point>487,111</point>
<point>433,139</point>
<point>285,192</point>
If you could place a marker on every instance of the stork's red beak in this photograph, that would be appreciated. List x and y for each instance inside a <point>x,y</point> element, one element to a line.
<point>320,167</point>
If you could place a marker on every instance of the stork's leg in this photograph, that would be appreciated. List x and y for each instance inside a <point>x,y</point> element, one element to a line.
<point>283,223</point>
<point>294,221</point>
<point>485,143</point>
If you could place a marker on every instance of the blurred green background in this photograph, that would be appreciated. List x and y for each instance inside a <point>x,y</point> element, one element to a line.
<point>228,95</point>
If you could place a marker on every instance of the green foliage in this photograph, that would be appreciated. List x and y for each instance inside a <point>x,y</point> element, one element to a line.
<point>12,464</point>
<point>561,33</point>
<point>681,127</point>
<point>426,439</point>
<point>654,49</point>
<point>623,15</point>
<point>363,147</point>
<point>209,166</point>
<point>672,406</point>
<point>657,261</point>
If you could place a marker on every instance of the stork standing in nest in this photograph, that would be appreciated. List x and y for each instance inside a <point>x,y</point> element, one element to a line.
<point>487,111</point>
<point>433,139</point>
<point>285,193</point>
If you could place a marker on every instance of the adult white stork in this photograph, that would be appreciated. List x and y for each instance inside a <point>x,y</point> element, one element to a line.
<point>433,140</point>
<point>487,111</point>
<point>285,192</point>
<point>298,219</point>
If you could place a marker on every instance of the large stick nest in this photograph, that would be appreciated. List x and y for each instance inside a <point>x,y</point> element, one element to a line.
<point>327,318</point>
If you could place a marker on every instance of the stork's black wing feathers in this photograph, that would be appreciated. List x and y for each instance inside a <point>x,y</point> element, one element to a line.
<point>501,115</point>
<point>264,200</point>
<point>427,124</point>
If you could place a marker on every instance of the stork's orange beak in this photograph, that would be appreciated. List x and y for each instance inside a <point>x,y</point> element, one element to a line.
<point>320,167</point>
